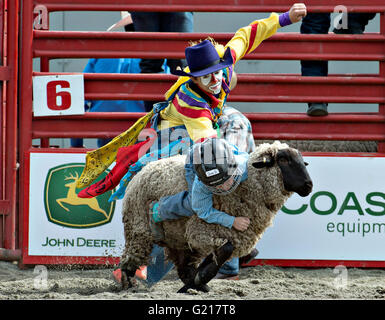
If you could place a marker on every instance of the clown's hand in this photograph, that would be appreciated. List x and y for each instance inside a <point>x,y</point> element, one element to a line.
<point>297,12</point>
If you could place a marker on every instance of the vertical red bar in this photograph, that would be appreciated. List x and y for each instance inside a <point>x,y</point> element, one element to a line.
<point>11,30</point>
<point>381,110</point>
<point>44,67</point>
<point>25,99</point>
<point>2,133</point>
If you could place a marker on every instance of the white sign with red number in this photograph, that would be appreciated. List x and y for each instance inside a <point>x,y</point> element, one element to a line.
<point>58,95</point>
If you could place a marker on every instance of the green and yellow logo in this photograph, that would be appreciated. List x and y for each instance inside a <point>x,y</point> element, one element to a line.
<point>65,208</point>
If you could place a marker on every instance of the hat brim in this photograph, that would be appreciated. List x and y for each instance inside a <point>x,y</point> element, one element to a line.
<point>225,62</point>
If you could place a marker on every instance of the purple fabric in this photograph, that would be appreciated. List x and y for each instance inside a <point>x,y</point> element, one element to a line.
<point>225,86</point>
<point>192,102</point>
<point>284,19</point>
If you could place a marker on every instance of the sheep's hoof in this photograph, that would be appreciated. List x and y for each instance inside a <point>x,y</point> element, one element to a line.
<point>126,281</point>
<point>202,288</point>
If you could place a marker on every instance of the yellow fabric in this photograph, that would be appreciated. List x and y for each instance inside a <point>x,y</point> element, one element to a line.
<point>242,38</point>
<point>197,128</point>
<point>181,80</point>
<point>100,159</point>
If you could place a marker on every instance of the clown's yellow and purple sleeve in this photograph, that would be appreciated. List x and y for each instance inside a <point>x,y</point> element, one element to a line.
<point>248,38</point>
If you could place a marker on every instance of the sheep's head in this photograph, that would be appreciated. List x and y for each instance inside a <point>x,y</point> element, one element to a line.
<point>295,176</point>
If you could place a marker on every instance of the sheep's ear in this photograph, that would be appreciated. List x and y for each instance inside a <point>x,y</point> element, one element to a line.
<point>265,162</point>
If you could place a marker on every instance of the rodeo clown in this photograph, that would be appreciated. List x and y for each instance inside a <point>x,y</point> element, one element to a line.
<point>195,107</point>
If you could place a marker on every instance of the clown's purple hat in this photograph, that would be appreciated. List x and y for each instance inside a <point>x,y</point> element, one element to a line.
<point>203,59</point>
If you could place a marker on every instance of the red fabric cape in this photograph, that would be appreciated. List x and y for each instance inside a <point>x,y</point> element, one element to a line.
<point>125,157</point>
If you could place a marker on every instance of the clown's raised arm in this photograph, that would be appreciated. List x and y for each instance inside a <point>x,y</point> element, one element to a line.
<point>248,38</point>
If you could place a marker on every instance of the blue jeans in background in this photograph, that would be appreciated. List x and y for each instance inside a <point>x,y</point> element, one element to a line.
<point>315,23</point>
<point>319,23</point>
<point>161,22</point>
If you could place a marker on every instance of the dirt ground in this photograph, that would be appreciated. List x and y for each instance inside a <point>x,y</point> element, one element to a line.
<point>256,283</point>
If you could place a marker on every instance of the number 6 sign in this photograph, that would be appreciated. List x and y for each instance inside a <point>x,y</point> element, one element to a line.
<point>58,95</point>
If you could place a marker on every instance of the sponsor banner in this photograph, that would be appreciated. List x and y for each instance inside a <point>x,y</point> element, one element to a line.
<point>62,224</point>
<point>342,219</point>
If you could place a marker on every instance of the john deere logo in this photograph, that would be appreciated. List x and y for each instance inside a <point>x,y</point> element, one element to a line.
<point>65,208</point>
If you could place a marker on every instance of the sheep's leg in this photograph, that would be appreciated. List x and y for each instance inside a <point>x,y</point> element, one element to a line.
<point>136,254</point>
<point>184,262</point>
<point>128,279</point>
<point>209,268</point>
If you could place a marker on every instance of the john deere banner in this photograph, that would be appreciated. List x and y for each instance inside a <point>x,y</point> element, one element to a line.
<point>61,223</point>
<point>342,219</point>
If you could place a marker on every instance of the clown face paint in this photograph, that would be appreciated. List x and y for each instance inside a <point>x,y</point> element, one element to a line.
<point>212,82</point>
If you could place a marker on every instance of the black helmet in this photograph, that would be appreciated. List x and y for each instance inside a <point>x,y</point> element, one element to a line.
<point>214,163</point>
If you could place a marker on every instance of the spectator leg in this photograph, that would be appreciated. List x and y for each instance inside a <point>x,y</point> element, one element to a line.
<point>315,23</point>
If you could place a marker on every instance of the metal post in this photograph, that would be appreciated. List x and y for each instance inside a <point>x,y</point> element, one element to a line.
<point>381,107</point>
<point>25,98</point>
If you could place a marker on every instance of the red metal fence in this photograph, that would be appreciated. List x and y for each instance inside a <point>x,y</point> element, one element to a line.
<point>251,87</point>
<point>350,88</point>
<point>8,163</point>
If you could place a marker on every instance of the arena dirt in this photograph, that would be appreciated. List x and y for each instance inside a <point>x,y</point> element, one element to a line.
<point>256,283</point>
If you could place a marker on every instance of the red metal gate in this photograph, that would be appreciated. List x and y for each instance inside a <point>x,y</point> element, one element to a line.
<point>9,26</point>
<point>45,44</point>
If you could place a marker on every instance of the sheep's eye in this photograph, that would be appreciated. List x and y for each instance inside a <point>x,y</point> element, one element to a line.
<point>283,161</point>
<point>306,164</point>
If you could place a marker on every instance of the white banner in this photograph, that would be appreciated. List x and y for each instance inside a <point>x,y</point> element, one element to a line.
<point>342,219</point>
<point>60,223</point>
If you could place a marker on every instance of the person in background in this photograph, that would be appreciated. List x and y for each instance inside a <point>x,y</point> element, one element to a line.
<point>122,65</point>
<point>319,23</point>
<point>114,65</point>
<point>161,22</point>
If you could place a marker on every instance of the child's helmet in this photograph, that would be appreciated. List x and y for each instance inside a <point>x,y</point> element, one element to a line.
<point>215,163</point>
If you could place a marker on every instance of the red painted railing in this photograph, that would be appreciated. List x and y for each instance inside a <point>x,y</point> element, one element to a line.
<point>9,24</point>
<point>251,87</point>
<point>352,88</point>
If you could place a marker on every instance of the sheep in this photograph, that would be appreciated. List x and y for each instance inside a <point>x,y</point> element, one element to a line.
<point>275,172</point>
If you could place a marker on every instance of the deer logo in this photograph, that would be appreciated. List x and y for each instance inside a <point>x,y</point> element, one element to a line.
<point>63,206</point>
<point>73,199</point>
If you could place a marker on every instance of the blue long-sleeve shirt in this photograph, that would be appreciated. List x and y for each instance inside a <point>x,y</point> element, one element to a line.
<point>202,197</point>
